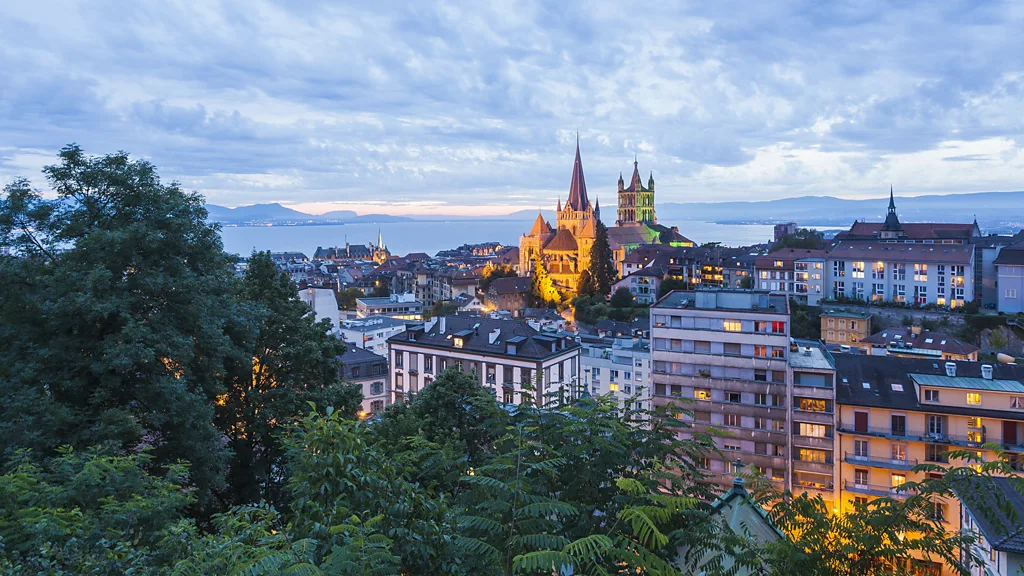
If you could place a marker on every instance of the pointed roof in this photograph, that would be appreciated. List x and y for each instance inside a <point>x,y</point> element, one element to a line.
<point>562,241</point>
<point>635,184</point>
<point>892,222</point>
<point>578,188</point>
<point>597,208</point>
<point>540,226</point>
<point>559,209</point>
<point>589,228</point>
<point>380,240</point>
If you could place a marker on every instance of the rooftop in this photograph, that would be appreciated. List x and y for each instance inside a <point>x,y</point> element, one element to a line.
<point>371,323</point>
<point>485,335</point>
<point>811,355</point>
<point>987,499</point>
<point>966,383</point>
<point>844,314</point>
<point>897,252</point>
<point>926,342</point>
<point>727,300</point>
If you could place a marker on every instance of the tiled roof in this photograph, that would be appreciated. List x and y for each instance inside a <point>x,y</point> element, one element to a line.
<point>540,226</point>
<point>475,332</point>
<point>513,285</point>
<point>788,256</point>
<point>896,252</point>
<point>988,498</point>
<point>926,340</point>
<point>563,241</point>
<point>913,231</point>
<point>1011,256</point>
<point>630,235</point>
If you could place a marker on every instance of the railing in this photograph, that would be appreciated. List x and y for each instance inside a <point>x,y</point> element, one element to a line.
<point>876,462</point>
<point>875,490</point>
<point>826,460</point>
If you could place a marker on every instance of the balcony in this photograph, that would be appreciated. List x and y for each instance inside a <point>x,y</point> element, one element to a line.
<point>875,490</point>
<point>878,462</point>
<point>919,436</point>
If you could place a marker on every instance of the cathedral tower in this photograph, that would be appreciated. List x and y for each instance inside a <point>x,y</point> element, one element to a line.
<point>636,203</point>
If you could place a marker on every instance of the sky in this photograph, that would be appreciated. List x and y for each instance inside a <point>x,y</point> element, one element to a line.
<point>474,107</point>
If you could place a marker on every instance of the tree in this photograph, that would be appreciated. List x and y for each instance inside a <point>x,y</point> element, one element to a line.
<point>347,298</point>
<point>602,261</point>
<point>586,285</point>
<point>381,289</point>
<point>494,271</point>
<point>669,284</point>
<point>289,360</point>
<point>622,298</point>
<point>114,307</point>
<point>746,283</point>
<point>440,308</point>
<point>543,289</point>
<point>803,238</point>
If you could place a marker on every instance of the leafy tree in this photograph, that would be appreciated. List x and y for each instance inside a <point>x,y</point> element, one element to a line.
<point>347,298</point>
<point>586,286</point>
<point>440,309</point>
<point>669,284</point>
<point>622,298</point>
<point>382,289</point>
<point>805,321</point>
<point>746,283</point>
<point>494,271</point>
<point>602,261</point>
<point>803,238</point>
<point>113,315</point>
<point>290,360</point>
<point>543,289</point>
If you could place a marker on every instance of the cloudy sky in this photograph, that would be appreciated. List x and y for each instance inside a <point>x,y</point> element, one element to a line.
<point>474,107</point>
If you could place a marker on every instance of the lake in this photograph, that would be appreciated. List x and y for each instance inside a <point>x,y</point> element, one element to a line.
<point>433,236</point>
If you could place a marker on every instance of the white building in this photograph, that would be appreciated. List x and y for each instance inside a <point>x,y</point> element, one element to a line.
<point>504,354</point>
<point>1009,267</point>
<point>620,367</point>
<point>401,306</point>
<point>371,333</point>
<point>324,304</point>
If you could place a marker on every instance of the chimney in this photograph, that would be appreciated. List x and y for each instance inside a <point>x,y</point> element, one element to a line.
<point>441,329</point>
<point>951,369</point>
<point>986,371</point>
<point>493,336</point>
<point>915,329</point>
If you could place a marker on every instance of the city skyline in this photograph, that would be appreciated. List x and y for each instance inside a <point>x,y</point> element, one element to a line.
<point>467,109</point>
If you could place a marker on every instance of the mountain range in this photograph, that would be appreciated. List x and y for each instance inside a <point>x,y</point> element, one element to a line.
<point>994,211</point>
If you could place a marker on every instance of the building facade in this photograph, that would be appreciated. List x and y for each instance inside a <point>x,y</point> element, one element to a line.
<point>636,202</point>
<point>370,372</point>
<point>371,333</point>
<point>399,306</point>
<point>797,272</point>
<point>504,355</point>
<point>845,328</point>
<point>619,367</point>
<point>1009,265</point>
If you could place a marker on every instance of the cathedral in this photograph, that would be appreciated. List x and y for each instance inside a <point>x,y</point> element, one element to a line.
<point>564,249</point>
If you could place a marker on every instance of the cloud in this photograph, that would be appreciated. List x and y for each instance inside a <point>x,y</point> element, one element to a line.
<point>477,103</point>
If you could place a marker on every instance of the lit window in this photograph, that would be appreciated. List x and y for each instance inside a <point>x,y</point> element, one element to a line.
<point>973,398</point>
<point>457,342</point>
<point>897,387</point>
<point>731,325</point>
<point>702,394</point>
<point>898,480</point>
<point>613,387</point>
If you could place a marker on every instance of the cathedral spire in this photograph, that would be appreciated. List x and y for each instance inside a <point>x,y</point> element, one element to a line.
<point>597,208</point>
<point>559,208</point>
<point>892,221</point>
<point>380,240</point>
<point>578,188</point>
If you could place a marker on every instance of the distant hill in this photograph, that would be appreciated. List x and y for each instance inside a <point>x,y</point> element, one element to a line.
<point>992,209</point>
<point>278,214</point>
<point>338,215</point>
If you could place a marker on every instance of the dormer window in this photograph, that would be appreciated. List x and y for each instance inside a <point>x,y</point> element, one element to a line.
<point>457,342</point>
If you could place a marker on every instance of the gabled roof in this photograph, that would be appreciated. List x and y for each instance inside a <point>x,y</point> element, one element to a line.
<point>899,252</point>
<point>926,340</point>
<point>620,236</point>
<point>513,285</point>
<point>578,188</point>
<point>563,240</point>
<point>475,332</point>
<point>988,499</point>
<point>1011,255</point>
<point>788,256</point>
<point>912,231</point>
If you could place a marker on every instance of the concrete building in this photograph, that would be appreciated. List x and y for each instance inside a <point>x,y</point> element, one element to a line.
<point>371,333</point>
<point>324,304</point>
<point>796,272</point>
<point>728,350</point>
<point>893,413</point>
<point>845,328</point>
<point>812,434</point>
<point>1009,267</point>
<point>782,230</point>
<point>983,513</point>
<point>370,371</point>
<point>643,284</point>
<point>504,354</point>
<point>620,367</point>
<point>986,250</point>
<point>400,306</point>
<point>915,342</point>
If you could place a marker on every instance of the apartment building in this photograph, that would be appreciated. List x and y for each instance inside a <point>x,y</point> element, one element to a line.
<point>845,328</point>
<point>400,306</point>
<point>370,372</point>
<point>916,342</point>
<point>910,273</point>
<point>619,367</point>
<point>728,350</point>
<point>371,333</point>
<point>894,413</point>
<point>984,512</point>
<point>794,271</point>
<point>504,354</point>
<point>1009,286</point>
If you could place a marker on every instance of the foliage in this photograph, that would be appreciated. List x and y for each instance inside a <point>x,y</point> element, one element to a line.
<point>747,283</point>
<point>289,360</point>
<point>804,320</point>
<point>347,298</point>
<point>440,309</point>
<point>113,316</point>
<point>90,514</point>
<point>586,286</point>
<point>622,298</point>
<point>803,238</point>
<point>669,284</point>
<point>602,261</point>
<point>494,271</point>
<point>381,289</point>
<point>543,288</point>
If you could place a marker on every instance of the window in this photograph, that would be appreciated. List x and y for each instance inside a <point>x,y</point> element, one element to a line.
<point>731,419</point>
<point>899,425</point>
<point>597,372</point>
<point>759,423</point>
<point>1017,402</point>
<point>703,462</point>
<point>731,446</point>
<point>936,425</point>
<point>760,375</point>
<point>376,388</point>
<point>878,271</point>
<point>761,399</point>
<point>899,271</point>
<point>613,387</point>
<point>898,452</point>
<point>761,351</point>
<point>839,268</point>
<point>858,270</point>
<point>812,430</point>
<point>698,416</point>
<point>1011,292</point>
<point>701,346</point>
<point>860,448</point>
<point>935,453</point>
<point>702,394</point>
<point>376,406</point>
<point>931,395</point>
<point>899,292</point>
<point>778,352</point>
<point>896,387</point>
<point>860,500</point>
<point>974,422</point>
<point>860,478</point>
<point>732,325</point>
<point>838,288</point>
<point>974,398</point>
<point>898,480</point>
<point>613,375</point>
<point>808,455</point>
<point>399,357</point>
<point>457,342</point>
<point>778,327</point>
<point>731,348</point>
<point>733,397</point>
<point>920,294</point>
<point>355,371</point>
<point>812,405</point>
<point>920,272</point>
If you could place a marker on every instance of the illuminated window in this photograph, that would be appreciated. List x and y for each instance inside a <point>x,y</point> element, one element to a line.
<point>818,456</point>
<point>457,342</point>
<point>732,325</point>
<point>761,351</point>
<point>778,263</point>
<point>973,398</point>
<point>974,422</point>
<point>898,480</point>
<point>613,387</point>
<point>702,394</point>
<point>812,405</point>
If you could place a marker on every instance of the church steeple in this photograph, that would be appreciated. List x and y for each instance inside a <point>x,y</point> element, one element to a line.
<point>597,209</point>
<point>892,221</point>
<point>578,188</point>
<point>380,240</point>
<point>650,182</point>
<point>559,208</point>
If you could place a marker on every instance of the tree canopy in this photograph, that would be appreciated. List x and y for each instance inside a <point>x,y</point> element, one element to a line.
<point>602,261</point>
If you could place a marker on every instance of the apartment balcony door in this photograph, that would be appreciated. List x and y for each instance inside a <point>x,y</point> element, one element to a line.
<point>1009,433</point>
<point>860,422</point>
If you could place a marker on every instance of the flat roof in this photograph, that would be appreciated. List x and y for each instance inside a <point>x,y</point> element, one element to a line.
<point>751,301</point>
<point>845,314</point>
<point>813,357</point>
<point>967,383</point>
